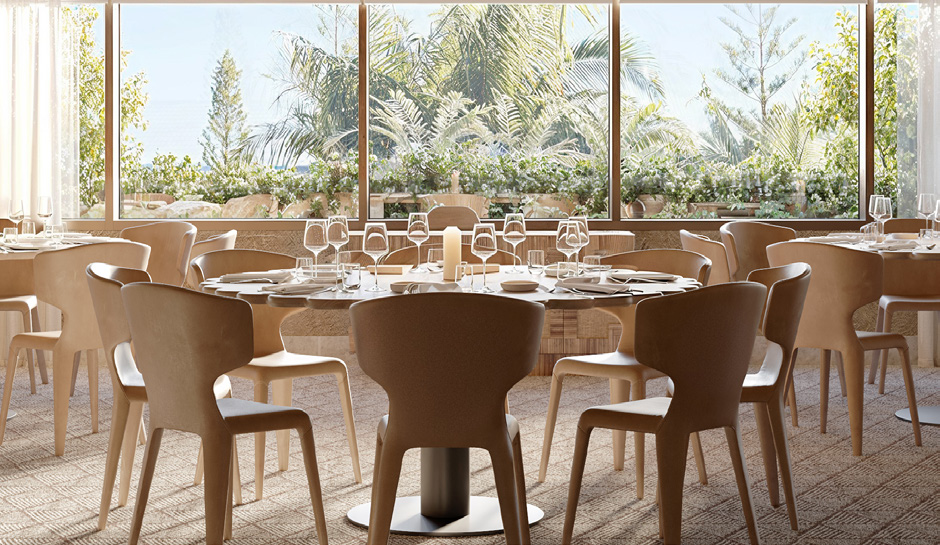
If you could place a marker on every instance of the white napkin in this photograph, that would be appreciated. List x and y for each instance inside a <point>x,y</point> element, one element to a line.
<point>435,287</point>
<point>895,245</point>
<point>626,275</point>
<point>592,285</point>
<point>297,289</point>
<point>272,277</point>
<point>833,239</point>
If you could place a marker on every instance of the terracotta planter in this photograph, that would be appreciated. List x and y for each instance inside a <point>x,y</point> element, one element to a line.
<point>478,203</point>
<point>654,204</point>
<point>633,210</point>
<point>742,211</point>
<point>544,205</point>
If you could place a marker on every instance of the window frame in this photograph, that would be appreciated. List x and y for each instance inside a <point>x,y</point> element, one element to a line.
<point>113,221</point>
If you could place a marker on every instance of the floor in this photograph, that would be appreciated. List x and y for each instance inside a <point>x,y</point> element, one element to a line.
<point>891,495</point>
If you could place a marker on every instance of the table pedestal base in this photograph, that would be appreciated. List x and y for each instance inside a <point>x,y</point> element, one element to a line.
<point>929,415</point>
<point>484,518</point>
<point>10,414</point>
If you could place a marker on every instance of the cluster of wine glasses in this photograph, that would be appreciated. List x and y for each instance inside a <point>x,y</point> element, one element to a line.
<point>17,213</point>
<point>881,210</point>
<point>571,236</point>
<point>320,234</point>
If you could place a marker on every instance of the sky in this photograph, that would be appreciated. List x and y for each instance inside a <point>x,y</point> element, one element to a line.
<point>177,46</point>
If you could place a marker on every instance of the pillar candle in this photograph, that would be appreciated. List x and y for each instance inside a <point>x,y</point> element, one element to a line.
<point>451,252</point>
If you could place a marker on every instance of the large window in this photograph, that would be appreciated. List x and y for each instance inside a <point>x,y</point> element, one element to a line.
<point>239,111</point>
<point>741,110</point>
<point>499,107</point>
<point>85,23</point>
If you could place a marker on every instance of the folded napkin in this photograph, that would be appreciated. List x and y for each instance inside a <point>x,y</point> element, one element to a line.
<point>642,276</point>
<point>435,287</point>
<point>273,277</point>
<point>834,239</point>
<point>297,289</point>
<point>891,245</point>
<point>592,285</point>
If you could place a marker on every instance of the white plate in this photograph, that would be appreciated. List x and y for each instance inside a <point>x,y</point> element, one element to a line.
<point>31,245</point>
<point>625,275</point>
<point>552,270</point>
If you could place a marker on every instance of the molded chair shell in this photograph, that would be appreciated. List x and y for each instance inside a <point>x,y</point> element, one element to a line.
<point>171,243</point>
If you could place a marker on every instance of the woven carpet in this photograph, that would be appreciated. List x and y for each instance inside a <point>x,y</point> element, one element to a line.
<point>890,495</point>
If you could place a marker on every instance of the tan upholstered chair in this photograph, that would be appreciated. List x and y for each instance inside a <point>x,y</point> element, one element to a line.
<point>17,295</point>
<point>463,217</point>
<point>225,241</point>
<point>702,340</point>
<point>447,389</point>
<point>713,250</point>
<point>627,376</point>
<point>183,333</point>
<point>746,242</point>
<point>272,364</point>
<point>60,281</point>
<point>905,225</point>
<point>407,256</point>
<point>105,282</point>
<point>844,280</point>
<point>171,243</point>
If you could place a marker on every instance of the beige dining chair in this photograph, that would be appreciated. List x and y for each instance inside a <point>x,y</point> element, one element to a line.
<point>182,333</point>
<point>17,295</point>
<point>702,340</point>
<point>129,394</point>
<point>225,241</point>
<point>171,243</point>
<point>905,225</point>
<point>746,242</point>
<point>844,280</point>
<point>446,387</point>
<point>59,277</point>
<point>272,364</point>
<point>713,250</point>
<point>766,389</point>
<point>462,217</point>
<point>408,255</point>
<point>626,375</point>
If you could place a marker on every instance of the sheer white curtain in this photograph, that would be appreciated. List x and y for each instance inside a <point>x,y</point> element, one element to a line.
<point>39,127</point>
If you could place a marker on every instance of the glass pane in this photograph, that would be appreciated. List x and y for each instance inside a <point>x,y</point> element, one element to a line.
<point>740,110</point>
<point>498,107</point>
<point>86,21</point>
<point>239,111</point>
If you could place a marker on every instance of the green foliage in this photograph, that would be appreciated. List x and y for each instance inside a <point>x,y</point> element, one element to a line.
<point>225,132</point>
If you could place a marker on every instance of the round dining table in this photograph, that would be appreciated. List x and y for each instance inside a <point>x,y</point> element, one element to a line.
<point>445,472</point>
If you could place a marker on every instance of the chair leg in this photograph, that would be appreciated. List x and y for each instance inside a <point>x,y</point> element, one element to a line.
<point>40,355</point>
<point>855,385</point>
<point>766,435</point>
<point>791,390</point>
<point>8,389</point>
<point>582,439</point>
<point>77,360</point>
<point>554,398</point>
<point>27,326</point>
<point>313,481</point>
<point>119,413</point>
<point>93,388</point>
<point>744,484</point>
<point>146,477</point>
<point>778,425</point>
<point>699,458</point>
<point>671,452</point>
<point>142,434</point>
<point>504,473</point>
<point>619,393</point>
<point>261,396</point>
<point>236,474</point>
<point>200,465</point>
<point>61,362</point>
<point>385,487</point>
<point>519,472</point>
<point>638,391</point>
<point>345,397</point>
<point>884,362</point>
<point>840,368</point>
<point>218,468</point>
<point>824,357</point>
<point>282,393</point>
<point>909,386</point>
<point>876,357</point>
<point>128,449</point>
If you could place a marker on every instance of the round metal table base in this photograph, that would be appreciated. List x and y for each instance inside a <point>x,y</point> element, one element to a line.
<point>11,414</point>
<point>484,518</point>
<point>927,414</point>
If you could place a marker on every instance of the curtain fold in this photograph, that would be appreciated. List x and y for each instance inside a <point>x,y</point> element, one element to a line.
<point>39,123</point>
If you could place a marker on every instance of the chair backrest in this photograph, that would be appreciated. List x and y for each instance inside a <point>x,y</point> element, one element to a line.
<point>786,293</point>
<point>447,360</point>
<point>905,225</point>
<point>105,283</point>
<point>713,250</point>
<point>702,340</point>
<point>747,241</point>
<point>406,255</point>
<point>17,277</point>
<point>219,262</point>
<point>61,281</point>
<point>463,217</point>
<point>184,340</point>
<point>225,241</point>
<point>681,262</point>
<point>843,281</point>
<point>171,243</point>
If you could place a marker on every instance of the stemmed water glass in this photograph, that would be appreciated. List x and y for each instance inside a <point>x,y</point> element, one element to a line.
<point>17,213</point>
<point>375,245</point>
<point>567,241</point>
<point>337,234</point>
<point>44,210</point>
<point>514,234</point>
<point>418,233</point>
<point>872,202</point>
<point>584,237</point>
<point>315,239</point>
<point>484,247</point>
<point>926,204</point>
<point>882,213</point>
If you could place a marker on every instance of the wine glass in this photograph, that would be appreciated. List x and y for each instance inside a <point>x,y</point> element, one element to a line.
<point>337,233</point>
<point>315,239</point>
<point>584,237</point>
<point>17,213</point>
<point>44,211</point>
<point>567,241</point>
<point>375,245</point>
<point>514,234</point>
<point>926,203</point>
<point>872,203</point>
<point>483,246</point>
<point>418,233</point>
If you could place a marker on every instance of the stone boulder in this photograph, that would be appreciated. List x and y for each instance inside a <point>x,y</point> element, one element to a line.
<point>308,208</point>
<point>250,206</point>
<point>192,209</point>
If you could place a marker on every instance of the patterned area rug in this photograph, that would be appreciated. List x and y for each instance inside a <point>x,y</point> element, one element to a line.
<point>890,495</point>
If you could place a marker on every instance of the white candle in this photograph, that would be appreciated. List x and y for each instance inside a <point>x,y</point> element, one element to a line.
<point>451,252</point>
